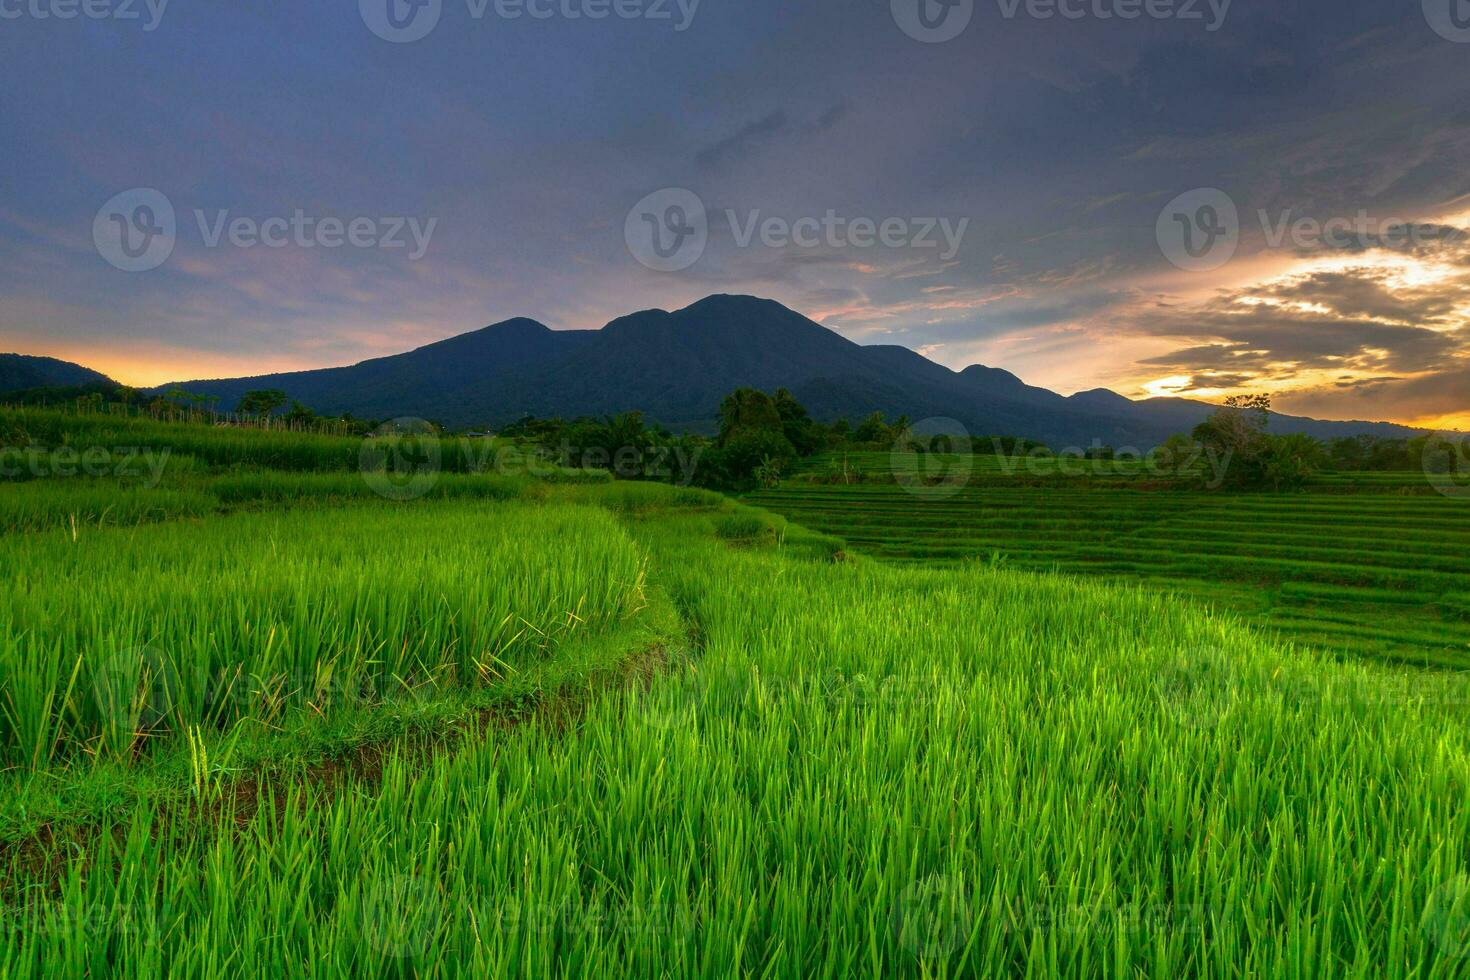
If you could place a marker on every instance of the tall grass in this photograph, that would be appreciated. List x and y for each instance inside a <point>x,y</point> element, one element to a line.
<point>229,446</point>
<point>47,504</point>
<point>110,639</point>
<point>863,771</point>
<point>854,769</point>
<point>1377,560</point>
<point>275,487</point>
<point>215,445</point>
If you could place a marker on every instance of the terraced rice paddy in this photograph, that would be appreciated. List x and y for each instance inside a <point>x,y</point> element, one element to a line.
<point>1374,564</point>
<point>546,729</point>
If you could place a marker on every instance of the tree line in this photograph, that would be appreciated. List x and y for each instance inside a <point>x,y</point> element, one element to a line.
<point>1261,460</point>
<point>762,437</point>
<point>267,408</point>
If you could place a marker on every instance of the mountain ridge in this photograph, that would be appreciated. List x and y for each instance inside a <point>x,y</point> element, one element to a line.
<point>21,372</point>
<point>676,367</point>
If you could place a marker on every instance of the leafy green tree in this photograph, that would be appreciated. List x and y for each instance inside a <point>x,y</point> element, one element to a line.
<point>1440,455</point>
<point>620,443</point>
<point>1236,434</point>
<point>1289,461</point>
<point>1176,452</point>
<point>804,435</point>
<point>768,473</point>
<point>261,403</point>
<point>873,430</point>
<point>748,410</point>
<point>753,443</point>
<point>735,463</point>
<point>1237,426</point>
<point>301,417</point>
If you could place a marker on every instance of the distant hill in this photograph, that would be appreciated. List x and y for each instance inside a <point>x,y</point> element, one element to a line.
<point>21,372</point>
<point>676,367</point>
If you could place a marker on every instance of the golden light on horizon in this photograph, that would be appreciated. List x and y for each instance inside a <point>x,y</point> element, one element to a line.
<point>1412,283</point>
<point>1456,422</point>
<point>1169,387</point>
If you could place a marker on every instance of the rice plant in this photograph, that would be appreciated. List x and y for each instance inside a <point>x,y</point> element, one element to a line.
<point>232,743</point>
<point>862,770</point>
<point>204,625</point>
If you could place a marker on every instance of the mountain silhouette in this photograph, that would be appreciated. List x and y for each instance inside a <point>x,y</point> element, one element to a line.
<point>676,367</point>
<point>19,372</point>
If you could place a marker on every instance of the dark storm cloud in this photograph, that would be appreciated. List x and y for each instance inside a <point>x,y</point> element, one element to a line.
<point>1423,239</point>
<point>1365,384</point>
<point>1265,336</point>
<point>1058,140</point>
<point>1364,316</point>
<point>1222,379</point>
<point>735,146</point>
<point>750,138</point>
<point>1411,342</point>
<point>1004,316</point>
<point>832,116</point>
<point>1368,294</point>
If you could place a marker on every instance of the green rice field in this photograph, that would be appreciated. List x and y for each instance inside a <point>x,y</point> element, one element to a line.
<point>257,723</point>
<point>1375,563</point>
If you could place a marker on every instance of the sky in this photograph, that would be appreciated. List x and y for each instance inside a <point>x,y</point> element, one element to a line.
<point>1195,197</point>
